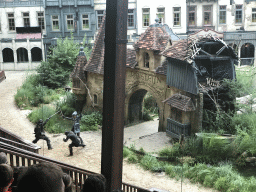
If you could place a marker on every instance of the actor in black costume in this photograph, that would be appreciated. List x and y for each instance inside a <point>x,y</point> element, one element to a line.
<point>76,142</point>
<point>40,134</point>
<point>76,126</point>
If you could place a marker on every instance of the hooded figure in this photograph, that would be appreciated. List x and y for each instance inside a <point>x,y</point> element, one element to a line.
<point>40,134</point>
<point>76,142</point>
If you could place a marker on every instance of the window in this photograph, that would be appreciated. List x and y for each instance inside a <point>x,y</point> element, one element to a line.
<point>239,12</point>
<point>207,17</point>
<point>160,14</point>
<point>130,20</point>
<point>26,20</point>
<point>11,22</point>
<point>55,23</point>
<point>145,17</point>
<point>222,14</point>
<point>253,15</point>
<point>146,60</point>
<point>100,15</point>
<point>70,22</point>
<point>192,15</point>
<point>85,20</point>
<point>40,19</point>
<point>176,16</point>
<point>76,83</point>
<point>95,99</point>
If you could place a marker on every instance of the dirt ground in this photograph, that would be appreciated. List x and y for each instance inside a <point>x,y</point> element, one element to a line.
<point>89,158</point>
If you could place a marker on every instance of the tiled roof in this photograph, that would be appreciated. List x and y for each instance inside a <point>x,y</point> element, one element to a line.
<point>96,61</point>
<point>154,38</point>
<point>179,50</point>
<point>181,102</point>
<point>162,69</point>
<point>131,58</point>
<point>78,69</point>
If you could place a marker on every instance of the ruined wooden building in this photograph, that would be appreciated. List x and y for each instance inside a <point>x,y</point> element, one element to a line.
<point>175,73</point>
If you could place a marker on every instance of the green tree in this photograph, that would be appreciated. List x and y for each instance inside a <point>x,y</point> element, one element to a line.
<point>56,70</point>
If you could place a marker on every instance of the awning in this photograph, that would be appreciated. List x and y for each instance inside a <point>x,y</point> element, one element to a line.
<point>181,102</point>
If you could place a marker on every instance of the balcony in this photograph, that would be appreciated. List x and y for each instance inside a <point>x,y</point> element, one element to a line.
<point>19,3</point>
<point>193,29</point>
<point>175,129</point>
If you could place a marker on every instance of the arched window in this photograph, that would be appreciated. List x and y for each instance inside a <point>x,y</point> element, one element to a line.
<point>36,54</point>
<point>22,55</point>
<point>95,99</point>
<point>247,54</point>
<point>8,55</point>
<point>146,60</point>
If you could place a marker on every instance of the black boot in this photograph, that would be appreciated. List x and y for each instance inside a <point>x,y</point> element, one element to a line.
<point>71,151</point>
<point>49,145</point>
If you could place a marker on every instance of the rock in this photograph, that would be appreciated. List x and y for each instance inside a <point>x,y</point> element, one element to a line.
<point>250,159</point>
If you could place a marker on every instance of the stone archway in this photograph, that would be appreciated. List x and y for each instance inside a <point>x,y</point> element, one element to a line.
<point>134,100</point>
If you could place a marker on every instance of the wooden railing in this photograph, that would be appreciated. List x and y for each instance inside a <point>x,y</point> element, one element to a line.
<point>20,157</point>
<point>175,129</point>
<point>10,138</point>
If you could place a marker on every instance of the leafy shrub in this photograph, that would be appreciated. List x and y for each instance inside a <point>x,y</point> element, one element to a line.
<point>150,103</point>
<point>150,163</point>
<point>142,150</point>
<point>147,116</point>
<point>221,184</point>
<point>126,152</point>
<point>67,104</point>
<point>55,125</point>
<point>132,158</point>
<point>56,70</point>
<point>91,122</point>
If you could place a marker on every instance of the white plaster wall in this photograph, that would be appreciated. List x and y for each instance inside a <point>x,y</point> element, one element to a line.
<point>101,5</point>
<point>247,16</point>
<point>168,5</point>
<point>249,25</point>
<point>18,19</point>
<point>199,12</point>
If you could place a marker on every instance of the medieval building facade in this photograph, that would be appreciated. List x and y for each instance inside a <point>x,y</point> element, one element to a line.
<point>164,68</point>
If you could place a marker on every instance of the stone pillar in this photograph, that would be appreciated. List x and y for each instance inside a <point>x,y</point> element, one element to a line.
<point>14,53</point>
<point>239,55</point>
<point>43,49</point>
<point>1,57</point>
<point>29,55</point>
<point>254,57</point>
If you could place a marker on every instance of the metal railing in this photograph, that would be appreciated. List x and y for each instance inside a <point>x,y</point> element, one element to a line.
<point>20,157</point>
<point>247,61</point>
<point>12,139</point>
<point>175,129</point>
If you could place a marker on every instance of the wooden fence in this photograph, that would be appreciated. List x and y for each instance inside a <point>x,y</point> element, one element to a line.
<point>21,157</point>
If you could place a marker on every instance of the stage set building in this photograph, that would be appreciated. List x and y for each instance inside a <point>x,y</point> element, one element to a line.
<point>177,73</point>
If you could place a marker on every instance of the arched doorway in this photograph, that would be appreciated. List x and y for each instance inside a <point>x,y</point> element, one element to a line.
<point>247,54</point>
<point>8,55</point>
<point>36,54</point>
<point>135,108</point>
<point>22,55</point>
